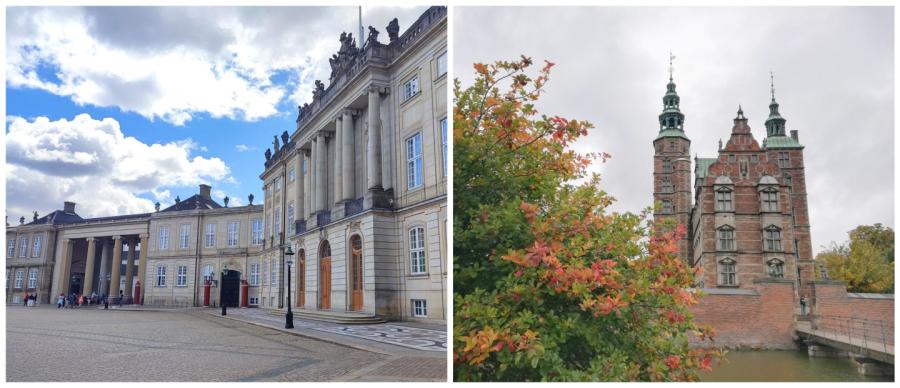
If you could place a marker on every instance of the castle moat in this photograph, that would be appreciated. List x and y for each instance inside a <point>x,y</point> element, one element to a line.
<point>784,365</point>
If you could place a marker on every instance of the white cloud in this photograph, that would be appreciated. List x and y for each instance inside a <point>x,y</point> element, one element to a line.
<point>244,148</point>
<point>172,63</point>
<point>92,163</point>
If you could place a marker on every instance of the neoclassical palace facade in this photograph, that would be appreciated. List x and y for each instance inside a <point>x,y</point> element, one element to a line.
<point>357,191</point>
<point>746,216</point>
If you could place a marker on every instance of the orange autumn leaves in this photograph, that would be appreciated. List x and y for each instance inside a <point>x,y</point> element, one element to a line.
<point>548,285</point>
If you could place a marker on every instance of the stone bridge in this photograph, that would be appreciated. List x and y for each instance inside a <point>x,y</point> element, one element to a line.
<point>862,338</point>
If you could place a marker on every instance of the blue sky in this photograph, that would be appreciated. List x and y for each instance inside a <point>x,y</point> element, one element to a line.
<point>116,108</point>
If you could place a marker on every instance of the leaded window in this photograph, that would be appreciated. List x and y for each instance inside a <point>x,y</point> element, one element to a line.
<point>667,207</point>
<point>784,159</point>
<point>772,238</point>
<point>726,238</point>
<point>769,200</point>
<point>667,165</point>
<point>724,202</point>
<point>727,272</point>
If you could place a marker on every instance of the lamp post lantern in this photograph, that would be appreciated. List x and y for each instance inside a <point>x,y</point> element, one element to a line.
<point>222,288</point>
<point>289,317</point>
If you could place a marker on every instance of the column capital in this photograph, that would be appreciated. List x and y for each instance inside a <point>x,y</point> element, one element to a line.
<point>117,237</point>
<point>91,239</point>
<point>376,88</point>
<point>349,112</point>
<point>144,236</point>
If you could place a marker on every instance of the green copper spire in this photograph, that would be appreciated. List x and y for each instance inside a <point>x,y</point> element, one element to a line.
<point>775,123</point>
<point>671,118</point>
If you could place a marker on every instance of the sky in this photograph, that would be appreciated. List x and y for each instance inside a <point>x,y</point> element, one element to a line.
<point>833,74</point>
<point>116,108</point>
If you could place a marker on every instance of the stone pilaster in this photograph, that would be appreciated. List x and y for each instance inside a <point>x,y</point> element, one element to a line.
<point>320,172</point>
<point>142,266</point>
<point>116,267</point>
<point>340,129</point>
<point>89,266</point>
<point>373,145</point>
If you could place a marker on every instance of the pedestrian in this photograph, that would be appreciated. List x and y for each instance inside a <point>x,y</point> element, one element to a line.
<point>25,299</point>
<point>31,300</point>
<point>93,297</point>
<point>60,301</point>
<point>121,297</point>
<point>80,300</point>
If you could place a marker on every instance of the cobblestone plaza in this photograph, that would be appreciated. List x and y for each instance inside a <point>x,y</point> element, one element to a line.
<point>90,344</point>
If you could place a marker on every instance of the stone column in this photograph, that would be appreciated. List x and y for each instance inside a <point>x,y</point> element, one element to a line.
<point>320,171</point>
<point>339,134</point>
<point>66,264</point>
<point>348,167</point>
<point>89,266</point>
<point>387,154</point>
<point>312,180</point>
<point>116,267</point>
<point>373,146</point>
<point>129,267</point>
<point>104,267</point>
<point>307,184</point>
<point>142,267</point>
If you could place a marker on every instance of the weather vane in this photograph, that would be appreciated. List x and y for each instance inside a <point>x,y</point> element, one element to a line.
<point>671,68</point>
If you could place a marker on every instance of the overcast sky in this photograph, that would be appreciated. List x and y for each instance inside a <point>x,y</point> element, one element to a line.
<point>117,108</point>
<point>834,79</point>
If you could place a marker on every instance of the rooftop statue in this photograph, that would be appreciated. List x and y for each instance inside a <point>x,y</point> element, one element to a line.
<point>393,28</point>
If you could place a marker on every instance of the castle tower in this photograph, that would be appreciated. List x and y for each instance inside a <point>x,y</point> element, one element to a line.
<point>787,152</point>
<point>672,166</point>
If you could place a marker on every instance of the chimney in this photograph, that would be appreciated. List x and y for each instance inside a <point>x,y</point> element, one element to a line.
<point>794,135</point>
<point>204,190</point>
<point>69,207</point>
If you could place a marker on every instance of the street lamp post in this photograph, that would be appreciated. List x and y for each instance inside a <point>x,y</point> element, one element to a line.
<point>222,289</point>
<point>289,317</point>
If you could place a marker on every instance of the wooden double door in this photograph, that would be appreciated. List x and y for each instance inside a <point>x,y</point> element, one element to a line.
<point>356,274</point>
<point>325,283</point>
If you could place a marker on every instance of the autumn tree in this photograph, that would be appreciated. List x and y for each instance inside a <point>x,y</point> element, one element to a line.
<point>548,285</point>
<point>866,262</point>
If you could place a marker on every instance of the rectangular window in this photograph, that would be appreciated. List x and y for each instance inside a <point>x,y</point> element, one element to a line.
<point>444,142</point>
<point>254,274</point>
<point>20,275</point>
<point>181,276</point>
<point>256,231</point>
<point>273,271</point>
<point>754,158</point>
<point>208,273</point>
<point>23,246</point>
<point>32,278</point>
<point>723,201</point>
<point>727,273</point>
<point>163,237</point>
<point>290,219</point>
<point>291,175</point>
<point>784,159</point>
<point>210,235</point>
<point>36,247</point>
<point>161,276</point>
<point>667,207</point>
<point>442,64</point>
<point>773,240</point>
<point>417,250</point>
<point>770,201</point>
<point>420,308</point>
<point>277,221</point>
<point>254,301</point>
<point>10,247</point>
<point>414,161</point>
<point>731,158</point>
<point>233,228</point>
<point>411,88</point>
<point>726,239</point>
<point>667,165</point>
<point>184,235</point>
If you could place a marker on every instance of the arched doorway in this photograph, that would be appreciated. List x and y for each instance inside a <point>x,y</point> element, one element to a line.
<point>231,288</point>
<point>301,278</point>
<point>325,276</point>
<point>356,273</point>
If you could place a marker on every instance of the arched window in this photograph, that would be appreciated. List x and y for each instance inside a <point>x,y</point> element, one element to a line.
<point>417,250</point>
<point>727,272</point>
<point>772,238</point>
<point>726,238</point>
<point>776,268</point>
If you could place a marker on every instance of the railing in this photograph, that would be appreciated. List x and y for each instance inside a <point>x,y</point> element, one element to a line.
<point>877,333</point>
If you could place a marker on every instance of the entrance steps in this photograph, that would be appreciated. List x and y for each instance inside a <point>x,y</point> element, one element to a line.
<point>342,317</point>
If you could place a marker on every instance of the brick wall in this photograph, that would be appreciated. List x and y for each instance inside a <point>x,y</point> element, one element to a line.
<point>760,316</point>
<point>859,314</point>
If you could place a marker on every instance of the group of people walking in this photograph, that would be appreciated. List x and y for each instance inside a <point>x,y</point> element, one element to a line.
<point>75,300</point>
<point>29,300</point>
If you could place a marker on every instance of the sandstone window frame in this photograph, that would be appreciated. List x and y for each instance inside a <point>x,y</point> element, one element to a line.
<point>666,186</point>
<point>23,246</point>
<point>419,307</point>
<point>440,65</point>
<point>418,263</point>
<point>725,238</point>
<point>775,268</point>
<point>210,240</point>
<point>291,175</point>
<point>11,248</point>
<point>37,245</point>
<point>724,199</point>
<point>161,276</point>
<point>209,273</point>
<point>256,231</point>
<point>668,207</point>
<point>772,239</point>
<point>768,198</point>
<point>181,275</point>
<point>443,124</point>
<point>20,278</point>
<point>410,87</point>
<point>667,166</point>
<point>727,272</point>
<point>784,159</point>
<point>234,233</point>
<point>290,218</point>
<point>163,240</point>
<point>32,278</point>
<point>184,236</point>
<point>254,274</point>
<point>414,164</point>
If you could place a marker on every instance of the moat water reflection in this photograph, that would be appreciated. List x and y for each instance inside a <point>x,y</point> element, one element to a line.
<point>784,365</point>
